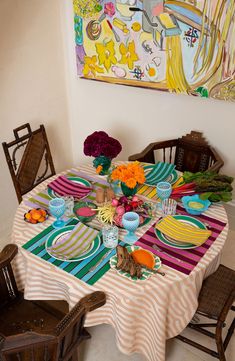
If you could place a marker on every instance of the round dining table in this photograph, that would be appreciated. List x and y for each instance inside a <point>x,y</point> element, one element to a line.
<point>144,314</point>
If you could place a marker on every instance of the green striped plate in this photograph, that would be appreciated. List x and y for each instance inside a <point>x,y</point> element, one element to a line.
<point>145,273</point>
<point>60,234</point>
<point>77,180</point>
<point>177,244</point>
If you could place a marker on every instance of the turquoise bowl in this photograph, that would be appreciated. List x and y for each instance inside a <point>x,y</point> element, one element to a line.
<point>195,205</point>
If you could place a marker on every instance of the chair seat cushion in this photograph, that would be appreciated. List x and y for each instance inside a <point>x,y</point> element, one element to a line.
<point>23,315</point>
<point>215,291</point>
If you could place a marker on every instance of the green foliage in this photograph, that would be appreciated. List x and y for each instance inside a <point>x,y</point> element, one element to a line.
<point>210,185</point>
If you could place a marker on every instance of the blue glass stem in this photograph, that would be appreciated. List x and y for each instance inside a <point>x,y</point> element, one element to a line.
<point>58,223</point>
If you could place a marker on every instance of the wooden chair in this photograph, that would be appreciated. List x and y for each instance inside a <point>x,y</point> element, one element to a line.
<point>216,298</point>
<point>29,159</point>
<point>35,331</point>
<point>189,153</point>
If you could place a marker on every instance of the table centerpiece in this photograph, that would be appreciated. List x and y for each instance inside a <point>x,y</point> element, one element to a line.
<point>130,176</point>
<point>104,148</point>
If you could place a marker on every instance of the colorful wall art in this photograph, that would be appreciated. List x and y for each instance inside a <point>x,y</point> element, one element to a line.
<point>179,46</point>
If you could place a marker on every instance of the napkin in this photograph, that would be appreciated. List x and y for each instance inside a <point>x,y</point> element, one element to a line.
<point>182,232</point>
<point>158,172</point>
<point>75,243</point>
<point>63,186</point>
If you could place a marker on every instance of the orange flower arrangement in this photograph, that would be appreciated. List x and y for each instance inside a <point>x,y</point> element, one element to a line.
<point>131,174</point>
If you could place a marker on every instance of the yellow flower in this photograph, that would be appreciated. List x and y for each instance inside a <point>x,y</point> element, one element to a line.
<point>128,54</point>
<point>106,54</point>
<point>90,66</point>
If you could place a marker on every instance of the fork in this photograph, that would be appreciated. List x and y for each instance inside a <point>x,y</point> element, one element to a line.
<point>159,249</point>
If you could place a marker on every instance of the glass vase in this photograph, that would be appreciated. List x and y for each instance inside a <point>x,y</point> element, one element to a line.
<point>128,192</point>
<point>102,164</point>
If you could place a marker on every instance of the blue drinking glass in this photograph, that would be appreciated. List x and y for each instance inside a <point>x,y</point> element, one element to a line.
<point>164,190</point>
<point>130,221</point>
<point>57,209</point>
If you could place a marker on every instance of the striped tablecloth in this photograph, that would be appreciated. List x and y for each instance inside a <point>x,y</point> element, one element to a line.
<point>144,314</point>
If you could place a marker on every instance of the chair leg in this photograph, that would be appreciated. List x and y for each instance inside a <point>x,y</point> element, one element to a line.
<point>229,334</point>
<point>219,341</point>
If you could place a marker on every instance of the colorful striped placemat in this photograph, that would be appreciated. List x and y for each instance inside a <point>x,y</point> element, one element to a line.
<point>85,270</point>
<point>147,191</point>
<point>182,260</point>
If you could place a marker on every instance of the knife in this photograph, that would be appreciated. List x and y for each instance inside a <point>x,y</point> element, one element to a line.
<point>98,263</point>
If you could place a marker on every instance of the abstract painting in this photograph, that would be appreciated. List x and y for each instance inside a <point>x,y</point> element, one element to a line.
<point>179,46</point>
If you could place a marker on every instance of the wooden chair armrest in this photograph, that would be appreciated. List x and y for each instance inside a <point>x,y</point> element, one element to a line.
<point>93,301</point>
<point>7,254</point>
<point>86,304</point>
<point>151,147</point>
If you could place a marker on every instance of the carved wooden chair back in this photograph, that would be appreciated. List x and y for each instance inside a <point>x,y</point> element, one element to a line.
<point>193,153</point>
<point>189,153</point>
<point>29,158</point>
<point>34,330</point>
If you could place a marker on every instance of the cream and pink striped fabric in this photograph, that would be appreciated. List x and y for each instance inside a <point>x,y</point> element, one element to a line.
<point>144,314</point>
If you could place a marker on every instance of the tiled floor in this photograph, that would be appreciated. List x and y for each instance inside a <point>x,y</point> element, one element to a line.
<point>102,346</point>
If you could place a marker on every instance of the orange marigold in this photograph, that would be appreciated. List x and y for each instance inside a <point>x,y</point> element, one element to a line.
<point>131,174</point>
<point>131,183</point>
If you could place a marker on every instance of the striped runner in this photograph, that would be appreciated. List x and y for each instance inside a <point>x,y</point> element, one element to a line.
<point>80,269</point>
<point>182,260</point>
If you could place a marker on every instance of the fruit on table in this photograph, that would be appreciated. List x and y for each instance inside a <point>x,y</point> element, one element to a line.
<point>35,216</point>
<point>144,258</point>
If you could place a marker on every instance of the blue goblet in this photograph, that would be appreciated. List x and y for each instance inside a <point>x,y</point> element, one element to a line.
<point>164,190</point>
<point>57,209</point>
<point>130,221</point>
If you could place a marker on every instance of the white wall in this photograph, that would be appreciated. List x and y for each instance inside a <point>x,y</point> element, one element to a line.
<point>38,72</point>
<point>139,116</point>
<point>32,85</point>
